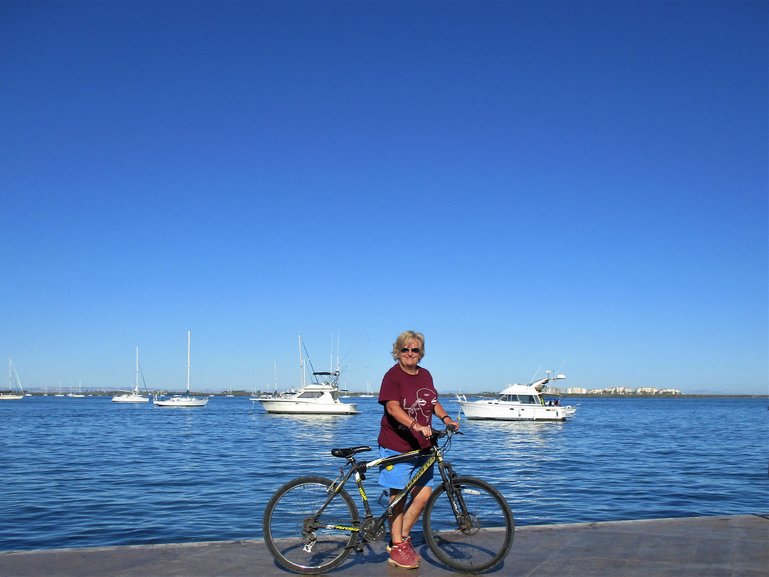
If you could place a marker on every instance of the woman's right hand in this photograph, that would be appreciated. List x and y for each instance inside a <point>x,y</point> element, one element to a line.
<point>425,430</point>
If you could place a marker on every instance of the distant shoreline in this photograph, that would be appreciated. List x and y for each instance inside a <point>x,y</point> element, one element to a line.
<point>635,396</point>
<point>484,394</point>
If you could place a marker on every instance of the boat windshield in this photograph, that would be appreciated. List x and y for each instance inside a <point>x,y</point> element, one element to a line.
<point>311,395</point>
<point>524,399</point>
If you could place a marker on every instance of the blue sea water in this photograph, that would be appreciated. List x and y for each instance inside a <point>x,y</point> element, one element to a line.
<point>89,472</point>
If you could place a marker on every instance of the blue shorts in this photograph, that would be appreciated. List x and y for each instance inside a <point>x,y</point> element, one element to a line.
<point>397,476</point>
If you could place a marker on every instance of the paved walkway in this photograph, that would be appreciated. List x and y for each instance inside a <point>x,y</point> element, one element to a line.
<point>728,546</point>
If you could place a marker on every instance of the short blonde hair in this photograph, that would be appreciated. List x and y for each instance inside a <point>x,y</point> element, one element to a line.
<point>404,338</point>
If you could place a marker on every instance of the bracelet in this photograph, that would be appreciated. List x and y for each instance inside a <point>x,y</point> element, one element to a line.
<point>413,425</point>
<point>444,417</point>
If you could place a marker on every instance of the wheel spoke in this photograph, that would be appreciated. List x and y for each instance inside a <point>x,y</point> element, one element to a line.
<point>303,540</point>
<point>482,537</point>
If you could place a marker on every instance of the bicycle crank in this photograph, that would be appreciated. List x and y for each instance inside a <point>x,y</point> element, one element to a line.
<point>372,530</point>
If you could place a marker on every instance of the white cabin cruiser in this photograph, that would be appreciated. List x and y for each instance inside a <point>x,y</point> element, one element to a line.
<point>321,397</point>
<point>519,403</point>
<point>311,399</point>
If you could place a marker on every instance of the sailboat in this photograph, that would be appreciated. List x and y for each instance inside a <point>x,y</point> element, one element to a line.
<point>183,401</point>
<point>13,378</point>
<point>79,394</point>
<point>133,396</point>
<point>369,394</point>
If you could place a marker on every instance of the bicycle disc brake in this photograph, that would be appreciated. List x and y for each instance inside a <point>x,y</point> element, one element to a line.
<point>469,524</point>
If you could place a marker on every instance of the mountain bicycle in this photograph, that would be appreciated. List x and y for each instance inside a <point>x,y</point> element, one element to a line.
<point>312,524</point>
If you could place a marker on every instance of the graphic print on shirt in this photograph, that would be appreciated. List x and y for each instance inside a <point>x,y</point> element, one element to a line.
<point>424,396</point>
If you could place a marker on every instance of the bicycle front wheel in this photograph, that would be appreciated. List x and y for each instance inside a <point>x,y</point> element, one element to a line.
<point>303,535</point>
<point>470,527</point>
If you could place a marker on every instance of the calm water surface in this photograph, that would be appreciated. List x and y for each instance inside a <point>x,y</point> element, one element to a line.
<point>89,472</point>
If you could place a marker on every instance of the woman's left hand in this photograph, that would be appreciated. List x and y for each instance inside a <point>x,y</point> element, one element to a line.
<point>453,423</point>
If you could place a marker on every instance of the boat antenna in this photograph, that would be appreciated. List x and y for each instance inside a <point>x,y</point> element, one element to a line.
<point>539,368</point>
<point>344,363</point>
<point>307,355</point>
<point>563,362</point>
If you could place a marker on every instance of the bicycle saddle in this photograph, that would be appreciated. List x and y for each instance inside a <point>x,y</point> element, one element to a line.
<point>349,451</point>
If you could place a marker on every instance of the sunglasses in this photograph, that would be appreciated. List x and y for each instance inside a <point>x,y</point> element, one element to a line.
<point>414,350</point>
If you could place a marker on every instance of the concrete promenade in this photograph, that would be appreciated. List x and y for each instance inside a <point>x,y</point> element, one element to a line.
<point>724,546</point>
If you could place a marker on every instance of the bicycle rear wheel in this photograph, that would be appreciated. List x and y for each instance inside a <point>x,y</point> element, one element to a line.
<point>481,538</point>
<point>303,537</point>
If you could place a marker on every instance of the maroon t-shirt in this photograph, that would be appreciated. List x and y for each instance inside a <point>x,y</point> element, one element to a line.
<point>417,396</point>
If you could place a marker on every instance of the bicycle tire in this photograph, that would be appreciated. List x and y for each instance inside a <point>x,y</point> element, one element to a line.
<point>487,536</point>
<point>284,521</point>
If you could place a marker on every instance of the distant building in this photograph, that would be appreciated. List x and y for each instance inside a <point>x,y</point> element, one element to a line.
<point>624,391</point>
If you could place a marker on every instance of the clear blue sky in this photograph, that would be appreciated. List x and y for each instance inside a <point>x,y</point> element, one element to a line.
<point>534,185</point>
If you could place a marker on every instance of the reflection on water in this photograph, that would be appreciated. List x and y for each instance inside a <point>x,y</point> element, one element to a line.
<point>87,472</point>
<point>521,435</point>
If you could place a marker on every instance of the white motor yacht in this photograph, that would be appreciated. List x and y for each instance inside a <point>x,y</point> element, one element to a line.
<point>313,398</point>
<point>519,403</point>
<point>320,397</point>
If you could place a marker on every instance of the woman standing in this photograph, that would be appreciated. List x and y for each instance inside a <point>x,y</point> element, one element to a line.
<point>410,401</point>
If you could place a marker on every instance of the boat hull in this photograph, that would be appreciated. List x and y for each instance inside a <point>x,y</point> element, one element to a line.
<point>291,407</point>
<point>130,399</point>
<point>181,402</point>
<point>11,397</point>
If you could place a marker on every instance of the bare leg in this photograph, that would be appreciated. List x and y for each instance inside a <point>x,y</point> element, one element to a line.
<point>419,497</point>
<point>396,519</point>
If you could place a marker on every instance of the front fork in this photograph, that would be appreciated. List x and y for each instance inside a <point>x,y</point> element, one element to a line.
<point>455,496</point>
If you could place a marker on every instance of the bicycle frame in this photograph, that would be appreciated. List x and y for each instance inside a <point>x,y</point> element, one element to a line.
<point>357,469</point>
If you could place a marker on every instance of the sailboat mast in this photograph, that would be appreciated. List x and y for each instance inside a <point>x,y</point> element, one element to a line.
<point>301,364</point>
<point>13,376</point>
<point>188,362</point>
<point>136,380</point>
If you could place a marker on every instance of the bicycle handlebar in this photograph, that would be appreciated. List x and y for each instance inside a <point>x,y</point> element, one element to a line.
<point>449,431</point>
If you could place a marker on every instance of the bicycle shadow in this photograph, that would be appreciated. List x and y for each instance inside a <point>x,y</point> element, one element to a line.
<point>375,555</point>
<point>421,547</point>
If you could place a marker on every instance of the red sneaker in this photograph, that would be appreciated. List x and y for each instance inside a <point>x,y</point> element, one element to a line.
<point>403,555</point>
<point>407,541</point>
